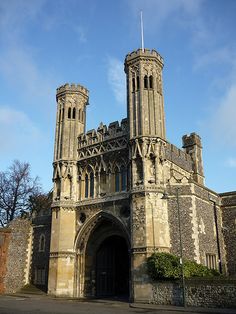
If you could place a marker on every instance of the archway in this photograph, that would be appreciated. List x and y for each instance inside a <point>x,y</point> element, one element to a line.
<point>112,267</point>
<point>103,264</point>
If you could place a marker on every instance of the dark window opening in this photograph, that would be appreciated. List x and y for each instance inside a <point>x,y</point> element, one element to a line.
<point>137,82</point>
<point>117,180</point>
<point>69,113</point>
<point>86,186</point>
<point>133,84</point>
<point>91,185</point>
<point>73,114</point>
<point>150,81</point>
<point>145,81</point>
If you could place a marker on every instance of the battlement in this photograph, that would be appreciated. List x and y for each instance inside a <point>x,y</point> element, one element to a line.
<point>190,140</point>
<point>71,88</point>
<point>179,157</point>
<point>147,53</point>
<point>103,133</point>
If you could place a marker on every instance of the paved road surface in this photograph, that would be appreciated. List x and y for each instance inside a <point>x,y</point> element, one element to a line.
<point>43,304</point>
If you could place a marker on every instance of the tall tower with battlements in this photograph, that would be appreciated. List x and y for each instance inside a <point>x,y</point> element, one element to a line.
<point>144,93</point>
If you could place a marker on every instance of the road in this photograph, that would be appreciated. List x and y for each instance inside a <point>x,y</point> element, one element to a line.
<point>43,304</point>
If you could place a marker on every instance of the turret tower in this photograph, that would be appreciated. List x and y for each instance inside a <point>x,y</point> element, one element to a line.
<point>71,120</point>
<point>144,93</point>
<point>147,140</point>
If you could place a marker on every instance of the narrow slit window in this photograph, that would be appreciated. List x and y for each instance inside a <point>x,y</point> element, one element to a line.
<point>69,113</point>
<point>150,82</point>
<point>123,178</point>
<point>91,185</point>
<point>86,186</point>
<point>133,84</point>
<point>145,81</point>
<point>137,82</point>
<point>73,114</point>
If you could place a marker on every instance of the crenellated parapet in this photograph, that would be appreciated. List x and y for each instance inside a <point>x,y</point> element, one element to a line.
<point>144,54</point>
<point>178,157</point>
<point>71,89</point>
<point>103,133</point>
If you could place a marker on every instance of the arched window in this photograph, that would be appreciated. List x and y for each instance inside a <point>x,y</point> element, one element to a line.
<point>145,81</point>
<point>123,178</point>
<point>91,192</point>
<point>150,81</point>
<point>42,243</point>
<point>59,119</point>
<point>73,114</point>
<point>69,113</point>
<point>63,110</point>
<point>137,82</point>
<point>103,179</point>
<point>117,180</point>
<point>133,84</point>
<point>79,114</point>
<point>86,186</point>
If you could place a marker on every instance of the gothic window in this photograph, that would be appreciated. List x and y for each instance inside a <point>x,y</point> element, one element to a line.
<point>117,180</point>
<point>79,114</point>
<point>73,114</point>
<point>150,82</point>
<point>86,186</point>
<point>91,192</point>
<point>123,178</point>
<point>103,181</point>
<point>145,81</point>
<point>137,82</point>
<point>133,84</point>
<point>42,243</point>
<point>63,110</point>
<point>59,119</point>
<point>211,261</point>
<point>69,113</point>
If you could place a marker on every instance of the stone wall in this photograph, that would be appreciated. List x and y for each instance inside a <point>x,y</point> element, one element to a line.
<point>18,258</point>
<point>199,293</point>
<point>228,205</point>
<point>5,235</point>
<point>40,251</point>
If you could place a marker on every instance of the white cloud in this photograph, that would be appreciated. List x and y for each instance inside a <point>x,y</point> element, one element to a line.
<point>116,79</point>
<point>231,162</point>
<point>222,121</point>
<point>17,131</point>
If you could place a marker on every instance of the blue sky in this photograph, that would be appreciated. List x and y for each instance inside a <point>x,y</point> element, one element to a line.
<point>44,44</point>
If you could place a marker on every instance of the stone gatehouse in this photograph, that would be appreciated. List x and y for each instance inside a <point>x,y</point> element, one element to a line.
<point>109,213</point>
<point>110,210</point>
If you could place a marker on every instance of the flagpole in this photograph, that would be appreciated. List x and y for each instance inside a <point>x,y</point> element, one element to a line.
<point>142,40</point>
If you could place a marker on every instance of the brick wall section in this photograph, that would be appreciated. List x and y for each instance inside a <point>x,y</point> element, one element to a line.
<point>5,235</point>
<point>198,293</point>
<point>17,255</point>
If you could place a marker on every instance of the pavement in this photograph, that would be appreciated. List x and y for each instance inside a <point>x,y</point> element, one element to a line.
<point>49,304</point>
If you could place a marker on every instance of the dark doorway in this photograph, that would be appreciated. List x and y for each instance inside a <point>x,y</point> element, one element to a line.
<point>112,268</point>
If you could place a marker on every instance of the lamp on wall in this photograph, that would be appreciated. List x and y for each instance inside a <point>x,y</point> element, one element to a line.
<point>166,197</point>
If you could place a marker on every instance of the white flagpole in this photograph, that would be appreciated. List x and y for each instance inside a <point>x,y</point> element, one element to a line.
<point>142,40</point>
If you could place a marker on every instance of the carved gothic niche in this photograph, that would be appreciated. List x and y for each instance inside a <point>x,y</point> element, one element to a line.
<point>138,164</point>
<point>151,170</point>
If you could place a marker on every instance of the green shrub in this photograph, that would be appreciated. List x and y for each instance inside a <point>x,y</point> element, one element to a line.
<point>166,266</point>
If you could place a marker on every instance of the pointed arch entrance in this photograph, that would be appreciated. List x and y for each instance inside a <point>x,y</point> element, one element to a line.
<point>103,263</point>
